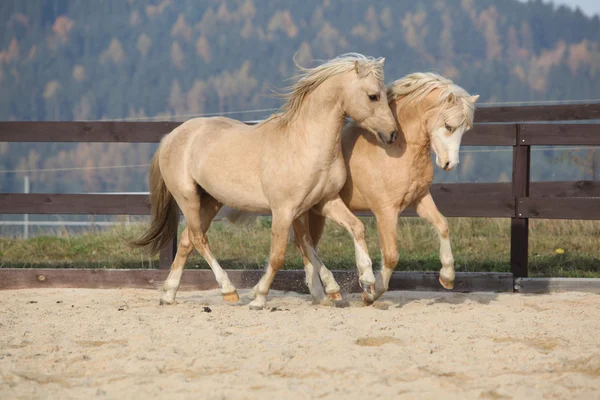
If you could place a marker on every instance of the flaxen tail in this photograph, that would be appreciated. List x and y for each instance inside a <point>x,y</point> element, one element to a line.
<point>165,213</point>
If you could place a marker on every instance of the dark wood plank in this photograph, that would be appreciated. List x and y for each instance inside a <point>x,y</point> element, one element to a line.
<point>84,131</point>
<point>471,189</point>
<point>38,203</point>
<point>152,132</point>
<point>465,199</point>
<point>559,207</point>
<point>561,134</point>
<point>287,280</point>
<point>519,229</point>
<point>553,285</point>
<point>475,205</point>
<point>491,135</point>
<point>483,134</point>
<point>565,189</point>
<point>493,200</point>
<point>569,112</point>
<point>464,282</point>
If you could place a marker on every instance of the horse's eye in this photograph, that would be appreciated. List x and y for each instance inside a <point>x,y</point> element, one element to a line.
<point>373,97</point>
<point>449,128</point>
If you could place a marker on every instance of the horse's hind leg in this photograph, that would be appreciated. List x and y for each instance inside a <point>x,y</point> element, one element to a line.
<point>312,263</point>
<point>316,225</point>
<point>198,224</point>
<point>208,209</point>
<point>171,285</point>
<point>387,226</point>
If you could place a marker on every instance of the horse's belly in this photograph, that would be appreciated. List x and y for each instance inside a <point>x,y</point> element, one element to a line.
<point>241,196</point>
<point>232,183</point>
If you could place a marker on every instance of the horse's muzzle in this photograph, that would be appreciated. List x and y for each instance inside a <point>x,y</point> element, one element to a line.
<point>388,139</point>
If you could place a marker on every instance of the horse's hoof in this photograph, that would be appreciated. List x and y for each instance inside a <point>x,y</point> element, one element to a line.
<point>446,283</point>
<point>164,302</point>
<point>256,305</point>
<point>335,296</point>
<point>367,298</point>
<point>231,297</point>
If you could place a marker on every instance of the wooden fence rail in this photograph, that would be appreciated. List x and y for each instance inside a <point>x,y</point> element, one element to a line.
<point>516,127</point>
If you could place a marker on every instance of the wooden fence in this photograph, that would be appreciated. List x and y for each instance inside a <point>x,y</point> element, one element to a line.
<point>517,127</point>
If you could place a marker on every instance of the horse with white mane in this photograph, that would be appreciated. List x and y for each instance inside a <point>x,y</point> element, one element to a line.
<point>287,164</point>
<point>433,113</point>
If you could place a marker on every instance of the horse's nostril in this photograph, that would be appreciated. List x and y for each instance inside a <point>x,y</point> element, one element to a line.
<point>447,165</point>
<point>394,136</point>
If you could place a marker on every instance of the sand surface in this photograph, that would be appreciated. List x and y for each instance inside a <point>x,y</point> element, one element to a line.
<point>118,344</point>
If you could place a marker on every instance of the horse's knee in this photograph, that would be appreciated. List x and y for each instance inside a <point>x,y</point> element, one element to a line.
<point>358,229</point>
<point>276,260</point>
<point>444,228</point>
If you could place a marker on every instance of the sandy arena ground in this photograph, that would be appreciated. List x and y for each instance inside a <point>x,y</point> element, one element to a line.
<point>82,343</point>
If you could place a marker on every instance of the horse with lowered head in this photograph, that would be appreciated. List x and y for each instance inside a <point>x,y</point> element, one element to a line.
<point>287,164</point>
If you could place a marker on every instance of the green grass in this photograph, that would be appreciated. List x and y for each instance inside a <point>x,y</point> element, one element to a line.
<point>478,245</point>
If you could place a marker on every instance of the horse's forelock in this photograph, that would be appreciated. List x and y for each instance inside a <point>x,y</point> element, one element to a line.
<point>414,88</point>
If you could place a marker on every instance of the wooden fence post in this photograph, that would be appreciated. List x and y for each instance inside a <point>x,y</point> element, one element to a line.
<point>167,255</point>
<point>519,229</point>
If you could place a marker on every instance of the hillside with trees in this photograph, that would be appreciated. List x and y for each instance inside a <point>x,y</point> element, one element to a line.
<point>167,59</point>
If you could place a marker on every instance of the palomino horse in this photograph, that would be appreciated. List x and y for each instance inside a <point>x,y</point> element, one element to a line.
<point>433,114</point>
<point>286,165</point>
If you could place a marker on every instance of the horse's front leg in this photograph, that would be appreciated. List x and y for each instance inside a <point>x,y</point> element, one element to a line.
<point>387,222</point>
<point>336,210</point>
<point>427,209</point>
<point>280,227</point>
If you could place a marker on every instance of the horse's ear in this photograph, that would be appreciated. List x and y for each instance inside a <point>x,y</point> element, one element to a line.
<point>381,60</point>
<point>474,98</point>
<point>451,98</point>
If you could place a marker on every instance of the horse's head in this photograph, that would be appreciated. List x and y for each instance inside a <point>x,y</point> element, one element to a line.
<point>355,84</point>
<point>447,124</point>
<point>365,101</point>
<point>443,109</point>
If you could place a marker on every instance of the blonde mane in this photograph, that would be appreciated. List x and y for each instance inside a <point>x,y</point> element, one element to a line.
<point>310,78</point>
<point>415,88</point>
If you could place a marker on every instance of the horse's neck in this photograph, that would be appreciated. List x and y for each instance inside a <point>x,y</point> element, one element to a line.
<point>318,126</point>
<point>414,129</point>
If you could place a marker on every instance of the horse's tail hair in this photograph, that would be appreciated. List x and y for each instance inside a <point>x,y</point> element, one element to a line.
<point>165,213</point>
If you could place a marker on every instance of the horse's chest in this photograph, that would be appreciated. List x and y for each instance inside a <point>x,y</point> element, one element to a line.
<point>329,181</point>
<point>416,190</point>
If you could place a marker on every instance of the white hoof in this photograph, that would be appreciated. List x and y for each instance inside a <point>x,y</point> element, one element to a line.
<point>257,304</point>
<point>166,302</point>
